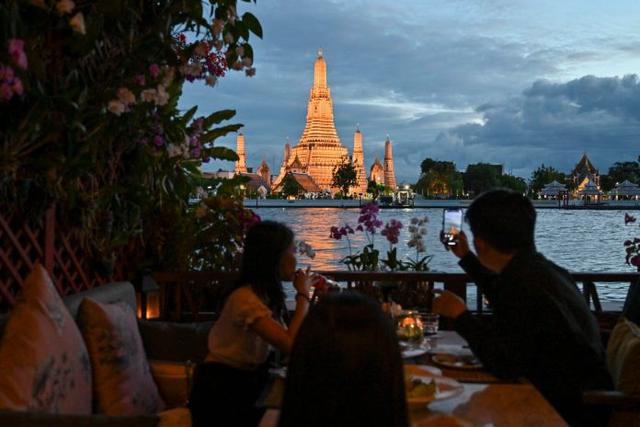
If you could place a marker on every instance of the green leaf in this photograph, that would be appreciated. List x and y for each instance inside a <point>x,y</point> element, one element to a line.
<point>218,132</point>
<point>221,153</point>
<point>217,117</point>
<point>252,23</point>
<point>186,118</point>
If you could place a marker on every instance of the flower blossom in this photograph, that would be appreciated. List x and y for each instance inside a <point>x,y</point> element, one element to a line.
<point>16,51</point>
<point>116,107</point>
<point>337,233</point>
<point>77,23</point>
<point>154,70</point>
<point>6,92</point>
<point>304,248</point>
<point>392,231</point>
<point>140,80</point>
<point>126,96</point>
<point>65,6</point>
<point>368,219</point>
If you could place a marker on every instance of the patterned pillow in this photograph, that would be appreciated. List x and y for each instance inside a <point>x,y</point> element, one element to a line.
<point>623,357</point>
<point>43,360</point>
<point>123,384</point>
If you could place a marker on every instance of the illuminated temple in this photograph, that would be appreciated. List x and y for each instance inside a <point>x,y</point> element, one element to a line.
<point>319,149</point>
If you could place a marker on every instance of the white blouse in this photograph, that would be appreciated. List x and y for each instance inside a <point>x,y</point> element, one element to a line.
<point>231,340</point>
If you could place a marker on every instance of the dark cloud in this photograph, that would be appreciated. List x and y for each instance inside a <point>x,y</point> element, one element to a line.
<point>554,123</point>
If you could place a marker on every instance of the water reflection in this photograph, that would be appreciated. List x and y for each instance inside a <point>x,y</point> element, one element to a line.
<point>588,241</point>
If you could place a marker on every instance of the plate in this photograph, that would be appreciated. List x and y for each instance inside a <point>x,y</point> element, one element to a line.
<point>456,361</point>
<point>415,350</point>
<point>445,388</point>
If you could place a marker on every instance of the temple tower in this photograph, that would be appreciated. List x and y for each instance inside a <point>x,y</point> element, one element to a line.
<point>319,148</point>
<point>358,163</point>
<point>241,164</point>
<point>389,174</point>
<point>376,173</point>
<point>265,172</point>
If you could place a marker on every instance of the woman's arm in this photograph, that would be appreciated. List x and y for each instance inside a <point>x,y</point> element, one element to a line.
<point>276,334</point>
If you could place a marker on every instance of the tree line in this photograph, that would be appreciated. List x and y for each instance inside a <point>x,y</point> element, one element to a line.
<point>442,179</point>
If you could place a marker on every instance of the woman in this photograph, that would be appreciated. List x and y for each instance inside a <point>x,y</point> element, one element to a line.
<point>345,367</point>
<point>234,374</point>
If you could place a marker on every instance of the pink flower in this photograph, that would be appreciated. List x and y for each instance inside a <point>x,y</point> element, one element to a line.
<point>154,70</point>
<point>16,51</point>
<point>635,261</point>
<point>8,73</point>
<point>392,231</point>
<point>140,80</point>
<point>6,92</point>
<point>158,141</point>
<point>126,96</point>
<point>17,86</point>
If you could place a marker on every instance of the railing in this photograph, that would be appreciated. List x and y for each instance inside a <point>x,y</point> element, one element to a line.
<point>192,288</point>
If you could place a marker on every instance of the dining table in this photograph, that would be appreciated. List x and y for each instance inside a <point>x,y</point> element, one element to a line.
<point>480,399</point>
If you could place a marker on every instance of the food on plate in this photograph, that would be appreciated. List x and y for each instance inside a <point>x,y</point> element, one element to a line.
<point>420,388</point>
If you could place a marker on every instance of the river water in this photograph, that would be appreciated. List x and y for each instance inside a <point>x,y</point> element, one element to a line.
<point>578,240</point>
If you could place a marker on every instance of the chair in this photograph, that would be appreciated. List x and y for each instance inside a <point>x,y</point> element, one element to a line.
<point>623,359</point>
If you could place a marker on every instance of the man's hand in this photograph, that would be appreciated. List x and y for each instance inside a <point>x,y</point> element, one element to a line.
<point>448,304</point>
<point>460,245</point>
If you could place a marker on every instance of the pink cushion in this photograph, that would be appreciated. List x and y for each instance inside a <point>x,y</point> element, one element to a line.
<point>44,363</point>
<point>123,384</point>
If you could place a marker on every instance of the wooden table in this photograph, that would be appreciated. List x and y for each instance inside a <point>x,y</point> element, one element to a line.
<point>480,404</point>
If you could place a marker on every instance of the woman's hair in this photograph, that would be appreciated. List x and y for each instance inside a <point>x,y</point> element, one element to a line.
<point>345,367</point>
<point>264,246</point>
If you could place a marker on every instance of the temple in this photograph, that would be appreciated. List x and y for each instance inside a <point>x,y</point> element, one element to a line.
<point>312,160</point>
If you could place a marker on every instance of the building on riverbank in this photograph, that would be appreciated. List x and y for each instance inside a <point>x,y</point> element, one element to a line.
<point>319,149</point>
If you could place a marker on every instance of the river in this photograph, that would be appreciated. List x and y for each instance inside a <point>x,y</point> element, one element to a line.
<point>578,240</point>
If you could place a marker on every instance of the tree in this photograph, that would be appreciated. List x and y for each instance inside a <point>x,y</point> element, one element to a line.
<point>344,176</point>
<point>375,189</point>
<point>515,183</point>
<point>439,177</point>
<point>542,176</point>
<point>290,186</point>
<point>621,171</point>
<point>481,177</point>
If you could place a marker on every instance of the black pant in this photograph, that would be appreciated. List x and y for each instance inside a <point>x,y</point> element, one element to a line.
<point>225,396</point>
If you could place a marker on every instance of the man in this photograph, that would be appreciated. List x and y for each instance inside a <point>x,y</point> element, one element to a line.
<point>541,328</point>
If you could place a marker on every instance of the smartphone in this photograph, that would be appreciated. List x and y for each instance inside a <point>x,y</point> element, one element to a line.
<point>451,225</point>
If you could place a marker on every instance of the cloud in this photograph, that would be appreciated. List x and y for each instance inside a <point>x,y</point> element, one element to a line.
<point>554,123</point>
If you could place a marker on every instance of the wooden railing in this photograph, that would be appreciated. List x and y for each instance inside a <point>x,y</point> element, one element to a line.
<point>196,293</point>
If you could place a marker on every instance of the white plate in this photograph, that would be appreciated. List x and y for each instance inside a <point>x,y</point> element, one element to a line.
<point>456,361</point>
<point>415,350</point>
<point>446,388</point>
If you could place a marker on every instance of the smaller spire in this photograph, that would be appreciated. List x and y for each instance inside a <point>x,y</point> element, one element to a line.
<point>320,53</point>
<point>388,137</point>
<point>357,127</point>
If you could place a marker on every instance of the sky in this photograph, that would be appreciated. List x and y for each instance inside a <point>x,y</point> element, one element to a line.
<point>514,82</point>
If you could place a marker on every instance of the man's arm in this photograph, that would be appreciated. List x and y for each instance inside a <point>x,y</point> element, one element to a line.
<point>483,277</point>
<point>506,354</point>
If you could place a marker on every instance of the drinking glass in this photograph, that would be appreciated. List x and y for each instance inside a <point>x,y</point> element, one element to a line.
<point>430,322</point>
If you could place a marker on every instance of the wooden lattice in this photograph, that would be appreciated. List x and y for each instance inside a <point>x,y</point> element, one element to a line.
<point>22,245</point>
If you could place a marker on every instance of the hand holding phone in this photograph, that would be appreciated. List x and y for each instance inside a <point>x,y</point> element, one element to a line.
<point>451,226</point>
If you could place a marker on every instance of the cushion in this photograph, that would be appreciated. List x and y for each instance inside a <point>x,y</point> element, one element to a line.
<point>623,357</point>
<point>174,381</point>
<point>122,381</point>
<point>44,362</point>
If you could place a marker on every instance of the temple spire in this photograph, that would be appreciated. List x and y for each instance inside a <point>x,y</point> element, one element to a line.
<point>320,72</point>
<point>241,164</point>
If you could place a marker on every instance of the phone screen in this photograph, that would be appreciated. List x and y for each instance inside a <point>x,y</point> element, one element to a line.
<point>451,224</point>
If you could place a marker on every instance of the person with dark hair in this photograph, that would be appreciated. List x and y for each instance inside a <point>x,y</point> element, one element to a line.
<point>541,328</point>
<point>227,385</point>
<point>345,367</point>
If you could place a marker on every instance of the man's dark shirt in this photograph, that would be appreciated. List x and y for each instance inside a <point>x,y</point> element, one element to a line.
<point>541,329</point>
